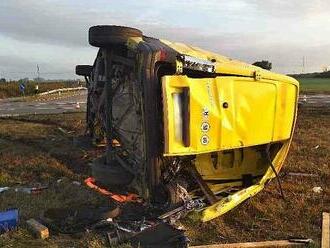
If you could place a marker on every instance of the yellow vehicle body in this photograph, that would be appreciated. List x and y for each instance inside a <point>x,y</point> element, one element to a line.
<point>246,108</point>
<point>196,131</point>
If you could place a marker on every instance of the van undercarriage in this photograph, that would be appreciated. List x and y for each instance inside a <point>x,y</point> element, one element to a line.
<point>184,127</point>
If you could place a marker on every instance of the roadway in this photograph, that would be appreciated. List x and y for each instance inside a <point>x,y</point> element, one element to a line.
<point>51,104</point>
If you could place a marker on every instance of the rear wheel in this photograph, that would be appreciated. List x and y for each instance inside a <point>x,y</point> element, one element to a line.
<point>105,35</point>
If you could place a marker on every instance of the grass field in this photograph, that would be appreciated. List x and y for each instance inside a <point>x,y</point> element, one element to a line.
<point>33,150</point>
<point>314,85</point>
<point>11,89</point>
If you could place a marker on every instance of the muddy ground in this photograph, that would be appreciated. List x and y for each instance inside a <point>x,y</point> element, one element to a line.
<point>34,150</point>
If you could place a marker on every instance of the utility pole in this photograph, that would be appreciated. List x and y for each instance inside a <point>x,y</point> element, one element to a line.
<point>38,72</point>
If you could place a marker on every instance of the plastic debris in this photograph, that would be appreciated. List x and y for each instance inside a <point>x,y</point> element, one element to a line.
<point>31,190</point>
<point>130,197</point>
<point>305,98</point>
<point>8,220</point>
<point>152,235</point>
<point>76,219</point>
<point>77,105</point>
<point>62,130</point>
<point>3,189</point>
<point>300,174</point>
<point>301,240</point>
<point>317,147</point>
<point>317,190</point>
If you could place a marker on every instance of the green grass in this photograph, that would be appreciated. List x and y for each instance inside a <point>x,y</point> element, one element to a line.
<point>314,85</point>
<point>11,89</point>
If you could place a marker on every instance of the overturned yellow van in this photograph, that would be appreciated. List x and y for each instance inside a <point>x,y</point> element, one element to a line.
<point>190,126</point>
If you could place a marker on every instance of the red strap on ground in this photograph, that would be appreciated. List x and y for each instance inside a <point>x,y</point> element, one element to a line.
<point>90,182</point>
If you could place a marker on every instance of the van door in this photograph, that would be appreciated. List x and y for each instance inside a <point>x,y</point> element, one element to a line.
<point>225,113</point>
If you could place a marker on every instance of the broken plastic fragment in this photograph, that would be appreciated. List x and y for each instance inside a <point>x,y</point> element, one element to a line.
<point>317,190</point>
<point>4,189</point>
<point>90,182</point>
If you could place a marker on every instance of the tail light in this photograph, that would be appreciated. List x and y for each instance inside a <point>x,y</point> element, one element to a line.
<point>182,116</point>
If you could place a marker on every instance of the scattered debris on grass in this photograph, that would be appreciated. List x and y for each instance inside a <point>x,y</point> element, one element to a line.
<point>317,190</point>
<point>8,220</point>
<point>129,197</point>
<point>39,230</point>
<point>147,235</point>
<point>77,219</point>
<point>62,130</point>
<point>3,189</point>
<point>301,174</point>
<point>28,155</point>
<point>66,132</point>
<point>31,190</point>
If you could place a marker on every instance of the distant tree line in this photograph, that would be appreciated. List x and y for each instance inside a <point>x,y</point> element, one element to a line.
<point>325,74</point>
<point>265,64</point>
<point>38,80</point>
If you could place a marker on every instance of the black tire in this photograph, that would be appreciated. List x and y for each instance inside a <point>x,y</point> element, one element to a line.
<point>107,35</point>
<point>84,70</point>
<point>110,174</point>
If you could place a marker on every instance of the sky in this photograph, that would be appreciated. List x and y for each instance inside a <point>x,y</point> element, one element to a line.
<point>54,33</point>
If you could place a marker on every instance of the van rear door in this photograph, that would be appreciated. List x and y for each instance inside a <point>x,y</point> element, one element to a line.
<point>211,114</point>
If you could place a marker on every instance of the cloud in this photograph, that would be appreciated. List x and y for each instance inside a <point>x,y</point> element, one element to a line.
<point>15,67</point>
<point>292,9</point>
<point>67,25</point>
<point>38,21</point>
<point>19,59</point>
<point>55,32</point>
